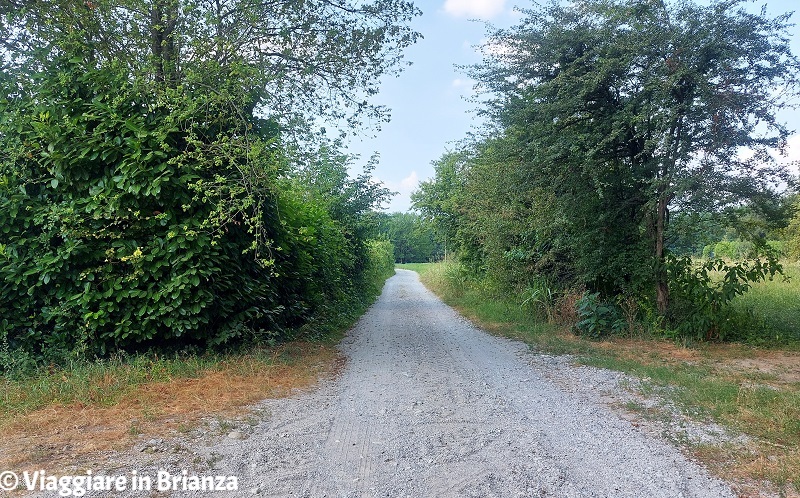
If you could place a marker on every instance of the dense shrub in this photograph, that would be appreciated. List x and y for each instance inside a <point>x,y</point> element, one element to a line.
<point>135,217</point>
<point>702,294</point>
<point>599,159</point>
<point>380,264</point>
<point>597,318</point>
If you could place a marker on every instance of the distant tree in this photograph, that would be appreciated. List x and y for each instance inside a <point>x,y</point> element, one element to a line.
<point>761,219</point>
<point>412,237</point>
<point>792,232</point>
<point>438,199</point>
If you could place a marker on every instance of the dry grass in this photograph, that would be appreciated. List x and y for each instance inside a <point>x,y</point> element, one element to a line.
<point>59,435</point>
<point>765,405</point>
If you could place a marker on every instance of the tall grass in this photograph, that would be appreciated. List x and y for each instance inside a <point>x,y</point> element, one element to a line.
<point>106,382</point>
<point>774,308</point>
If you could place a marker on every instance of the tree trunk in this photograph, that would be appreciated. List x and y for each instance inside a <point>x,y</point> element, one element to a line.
<point>662,287</point>
<point>163,20</point>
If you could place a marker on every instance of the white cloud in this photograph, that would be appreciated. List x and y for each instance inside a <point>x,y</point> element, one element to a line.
<point>464,86</point>
<point>402,201</point>
<point>482,9</point>
<point>460,83</point>
<point>409,183</point>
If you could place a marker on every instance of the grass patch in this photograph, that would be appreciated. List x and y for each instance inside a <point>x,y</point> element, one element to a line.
<point>61,417</point>
<point>420,268</point>
<point>775,308</point>
<point>107,383</point>
<point>749,390</point>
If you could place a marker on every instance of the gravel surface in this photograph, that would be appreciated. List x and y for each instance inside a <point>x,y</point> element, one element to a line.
<point>429,406</point>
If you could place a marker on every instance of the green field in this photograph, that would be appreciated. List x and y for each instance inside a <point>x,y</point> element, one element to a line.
<point>775,307</point>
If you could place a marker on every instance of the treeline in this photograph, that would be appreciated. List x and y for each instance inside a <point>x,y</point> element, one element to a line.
<point>413,237</point>
<point>614,154</point>
<point>162,182</point>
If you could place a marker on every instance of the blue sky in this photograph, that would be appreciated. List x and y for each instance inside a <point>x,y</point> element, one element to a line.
<point>429,112</point>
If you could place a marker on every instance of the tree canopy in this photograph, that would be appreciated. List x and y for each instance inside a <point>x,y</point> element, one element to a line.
<point>295,59</point>
<point>606,118</point>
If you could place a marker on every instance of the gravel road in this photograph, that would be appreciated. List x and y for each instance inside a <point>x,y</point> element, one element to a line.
<point>429,406</point>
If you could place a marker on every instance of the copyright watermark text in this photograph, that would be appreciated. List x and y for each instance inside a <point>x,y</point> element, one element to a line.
<point>80,484</point>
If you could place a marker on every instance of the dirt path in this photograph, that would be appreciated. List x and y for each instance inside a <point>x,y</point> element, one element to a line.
<point>428,406</point>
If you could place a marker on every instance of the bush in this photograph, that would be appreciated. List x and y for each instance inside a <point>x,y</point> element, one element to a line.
<point>123,221</point>
<point>597,318</point>
<point>738,250</point>
<point>134,217</point>
<point>540,297</point>
<point>380,264</point>
<point>702,294</point>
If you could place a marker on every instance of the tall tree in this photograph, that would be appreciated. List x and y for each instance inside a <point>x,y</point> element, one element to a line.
<point>411,236</point>
<point>300,58</point>
<point>438,199</point>
<point>626,109</point>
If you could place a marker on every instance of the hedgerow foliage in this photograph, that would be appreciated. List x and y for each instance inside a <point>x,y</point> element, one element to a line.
<point>110,221</point>
<point>609,121</point>
<point>134,216</point>
<point>160,183</point>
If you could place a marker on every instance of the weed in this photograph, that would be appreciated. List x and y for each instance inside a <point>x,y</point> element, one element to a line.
<point>597,319</point>
<point>224,425</point>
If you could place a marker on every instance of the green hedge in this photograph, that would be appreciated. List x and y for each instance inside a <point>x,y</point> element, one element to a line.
<point>135,218</point>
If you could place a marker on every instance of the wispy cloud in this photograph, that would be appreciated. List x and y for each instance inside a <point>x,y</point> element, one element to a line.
<point>409,183</point>
<point>404,187</point>
<point>464,86</point>
<point>481,9</point>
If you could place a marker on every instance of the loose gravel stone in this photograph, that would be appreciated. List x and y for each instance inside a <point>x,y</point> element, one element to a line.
<point>427,405</point>
<point>236,435</point>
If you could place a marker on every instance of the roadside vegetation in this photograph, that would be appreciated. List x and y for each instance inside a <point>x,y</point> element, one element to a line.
<point>752,391</point>
<point>414,238</point>
<point>611,174</point>
<point>127,397</point>
<point>608,211</point>
<point>175,222</point>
